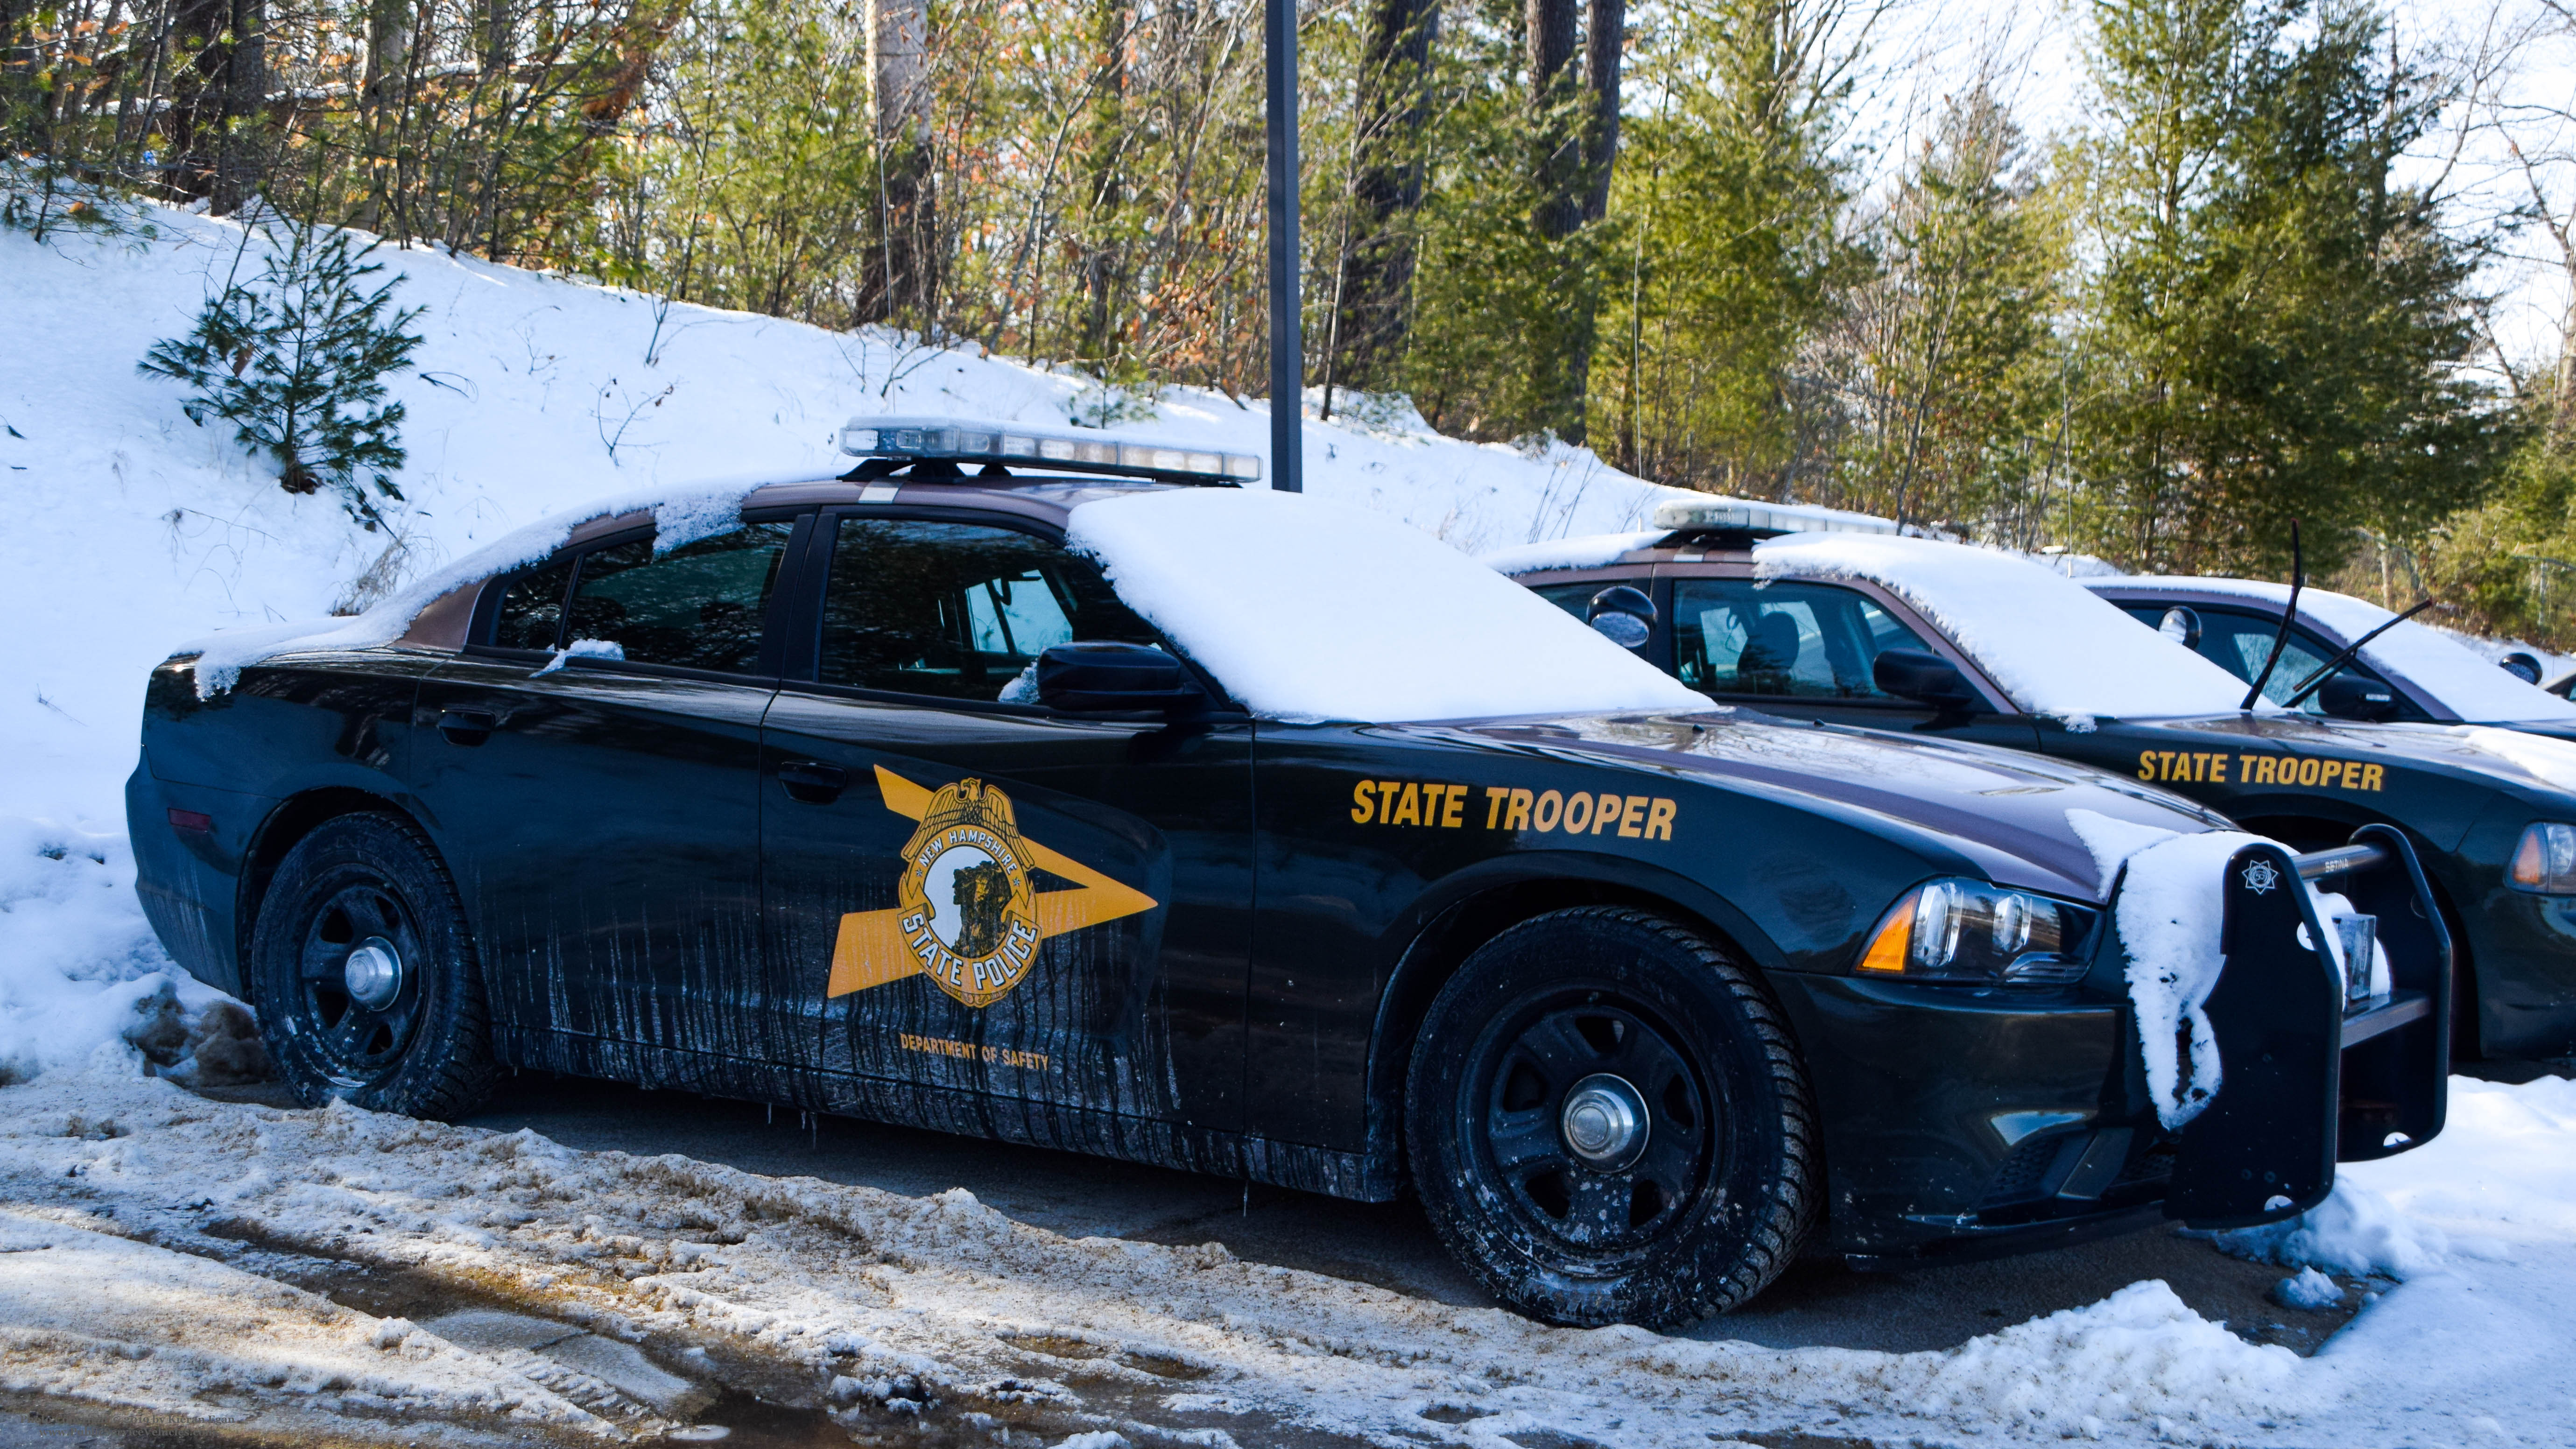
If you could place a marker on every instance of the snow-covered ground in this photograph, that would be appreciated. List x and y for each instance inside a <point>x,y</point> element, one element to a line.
<point>171,1259</point>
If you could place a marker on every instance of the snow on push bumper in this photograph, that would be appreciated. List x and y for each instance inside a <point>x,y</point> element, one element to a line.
<point>2314,1064</point>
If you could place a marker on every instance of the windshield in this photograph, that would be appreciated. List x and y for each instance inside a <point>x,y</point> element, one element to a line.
<point>2054,646</point>
<point>1306,610</point>
<point>2432,662</point>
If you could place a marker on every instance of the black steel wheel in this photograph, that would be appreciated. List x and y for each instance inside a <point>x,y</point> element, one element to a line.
<point>363,973</point>
<point>1607,1122</point>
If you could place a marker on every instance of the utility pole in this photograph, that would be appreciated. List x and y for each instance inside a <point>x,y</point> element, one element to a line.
<point>1287,344</point>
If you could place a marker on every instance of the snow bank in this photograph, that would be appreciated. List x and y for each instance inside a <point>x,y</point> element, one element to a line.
<point>2054,646</point>
<point>2468,685</point>
<point>1311,610</point>
<point>863,1297</point>
<point>90,1318</point>
<point>2355,1231</point>
<point>80,973</point>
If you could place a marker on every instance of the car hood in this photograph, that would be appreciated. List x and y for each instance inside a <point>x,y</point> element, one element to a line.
<point>2518,757</point>
<point>2005,811</point>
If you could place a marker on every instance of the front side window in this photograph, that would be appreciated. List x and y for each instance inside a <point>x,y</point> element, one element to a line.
<point>1782,639</point>
<point>2239,643</point>
<point>957,610</point>
<point>699,606</point>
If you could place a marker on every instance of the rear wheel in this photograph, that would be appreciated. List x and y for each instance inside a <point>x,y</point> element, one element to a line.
<point>1607,1122</point>
<point>363,974</point>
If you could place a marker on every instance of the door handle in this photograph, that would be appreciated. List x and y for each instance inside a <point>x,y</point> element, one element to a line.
<point>812,781</point>
<point>467,726</point>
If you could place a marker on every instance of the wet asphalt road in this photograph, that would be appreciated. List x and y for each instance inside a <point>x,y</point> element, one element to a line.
<point>1389,1245</point>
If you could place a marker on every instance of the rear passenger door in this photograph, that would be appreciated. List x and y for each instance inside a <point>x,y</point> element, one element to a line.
<point>971,898</point>
<point>590,766</point>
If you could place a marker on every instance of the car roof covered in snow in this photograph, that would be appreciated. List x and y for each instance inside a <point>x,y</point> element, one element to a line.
<point>2469,686</point>
<point>1307,610</point>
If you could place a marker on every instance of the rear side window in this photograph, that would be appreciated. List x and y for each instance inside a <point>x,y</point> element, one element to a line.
<point>531,611</point>
<point>1782,639</point>
<point>957,610</point>
<point>700,606</point>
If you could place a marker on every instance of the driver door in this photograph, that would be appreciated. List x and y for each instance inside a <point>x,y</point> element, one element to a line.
<point>968,893</point>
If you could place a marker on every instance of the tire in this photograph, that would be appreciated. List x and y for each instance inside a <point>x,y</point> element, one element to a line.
<point>418,1046</point>
<point>1688,1214</point>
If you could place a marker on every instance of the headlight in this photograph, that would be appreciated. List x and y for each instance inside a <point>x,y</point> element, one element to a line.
<point>2545,861</point>
<point>1966,930</point>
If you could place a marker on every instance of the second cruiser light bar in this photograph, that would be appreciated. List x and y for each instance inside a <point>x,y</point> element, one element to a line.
<point>950,441</point>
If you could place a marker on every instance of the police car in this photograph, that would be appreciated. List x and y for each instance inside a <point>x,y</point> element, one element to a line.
<point>1058,790</point>
<point>2340,656</point>
<point>1822,615</point>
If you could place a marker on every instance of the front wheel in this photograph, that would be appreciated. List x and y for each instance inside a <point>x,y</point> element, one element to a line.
<point>363,974</point>
<point>1607,1122</point>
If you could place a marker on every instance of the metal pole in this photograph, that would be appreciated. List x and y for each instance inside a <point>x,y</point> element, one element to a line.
<point>1287,343</point>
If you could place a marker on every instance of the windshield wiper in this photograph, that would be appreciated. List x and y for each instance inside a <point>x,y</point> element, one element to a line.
<point>2281,640</point>
<point>2326,670</point>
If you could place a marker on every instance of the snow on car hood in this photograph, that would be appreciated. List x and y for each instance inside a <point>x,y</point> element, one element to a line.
<point>2054,646</point>
<point>2469,686</point>
<point>680,516</point>
<point>2005,811</point>
<point>1309,611</point>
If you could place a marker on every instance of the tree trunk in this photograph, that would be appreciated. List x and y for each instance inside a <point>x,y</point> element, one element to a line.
<point>241,153</point>
<point>381,94</point>
<point>1604,46</point>
<point>1104,171</point>
<point>500,30</point>
<point>1559,170</point>
<point>216,118</point>
<point>1386,192</point>
<point>899,276</point>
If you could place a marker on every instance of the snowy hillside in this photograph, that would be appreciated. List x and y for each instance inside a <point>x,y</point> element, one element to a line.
<point>127,529</point>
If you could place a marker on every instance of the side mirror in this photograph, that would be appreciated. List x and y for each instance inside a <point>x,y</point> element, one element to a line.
<point>1114,679</point>
<point>2182,626</point>
<point>2521,666</point>
<point>1623,614</point>
<point>2350,696</point>
<point>1920,675</point>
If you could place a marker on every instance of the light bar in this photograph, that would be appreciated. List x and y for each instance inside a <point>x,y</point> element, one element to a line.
<point>963,442</point>
<point>1749,517</point>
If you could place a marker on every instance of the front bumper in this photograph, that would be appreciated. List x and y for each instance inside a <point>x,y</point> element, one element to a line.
<point>1967,1122</point>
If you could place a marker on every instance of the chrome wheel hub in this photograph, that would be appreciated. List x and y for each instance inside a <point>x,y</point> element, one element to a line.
<point>1604,1122</point>
<point>373,973</point>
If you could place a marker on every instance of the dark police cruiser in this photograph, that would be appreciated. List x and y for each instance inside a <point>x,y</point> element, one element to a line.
<point>1809,613</point>
<point>1011,785</point>
<point>2342,656</point>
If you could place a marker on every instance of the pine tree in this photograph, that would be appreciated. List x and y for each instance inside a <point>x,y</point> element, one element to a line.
<point>296,362</point>
<point>2279,325</point>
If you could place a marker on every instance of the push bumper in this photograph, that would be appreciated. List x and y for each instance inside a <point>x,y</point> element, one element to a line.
<point>1974,1123</point>
<point>2311,1076</point>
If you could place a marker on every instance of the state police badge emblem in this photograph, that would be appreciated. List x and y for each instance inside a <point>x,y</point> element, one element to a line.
<point>968,912</point>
